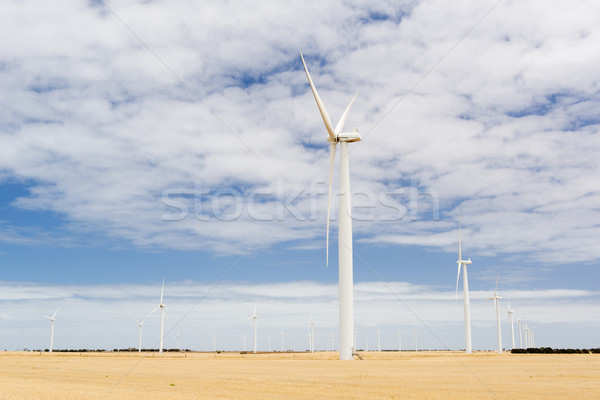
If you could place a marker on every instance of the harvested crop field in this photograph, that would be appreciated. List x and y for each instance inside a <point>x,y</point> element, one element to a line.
<point>385,375</point>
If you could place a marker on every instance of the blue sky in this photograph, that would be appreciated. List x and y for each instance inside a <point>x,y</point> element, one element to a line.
<point>142,141</point>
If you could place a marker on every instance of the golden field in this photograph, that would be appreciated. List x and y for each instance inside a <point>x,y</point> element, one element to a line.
<point>385,375</point>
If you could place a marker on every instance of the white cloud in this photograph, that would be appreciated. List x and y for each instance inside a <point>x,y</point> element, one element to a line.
<point>504,129</point>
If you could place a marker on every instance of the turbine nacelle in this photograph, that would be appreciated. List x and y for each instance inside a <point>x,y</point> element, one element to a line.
<point>349,137</point>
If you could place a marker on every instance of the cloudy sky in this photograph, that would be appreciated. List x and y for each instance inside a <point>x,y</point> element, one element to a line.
<point>142,140</point>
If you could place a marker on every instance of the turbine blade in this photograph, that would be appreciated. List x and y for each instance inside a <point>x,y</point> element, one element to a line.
<point>332,147</point>
<point>152,312</point>
<point>497,279</point>
<point>162,291</point>
<point>457,278</point>
<point>459,239</point>
<point>54,315</point>
<point>320,104</point>
<point>46,317</point>
<point>342,121</point>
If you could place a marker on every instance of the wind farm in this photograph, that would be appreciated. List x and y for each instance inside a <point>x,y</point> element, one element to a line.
<point>210,151</point>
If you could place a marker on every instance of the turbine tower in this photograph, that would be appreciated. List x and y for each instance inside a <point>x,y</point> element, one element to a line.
<point>463,263</point>
<point>52,319</point>
<point>335,136</point>
<point>520,333</point>
<point>254,317</point>
<point>496,297</point>
<point>163,315</point>
<point>511,321</point>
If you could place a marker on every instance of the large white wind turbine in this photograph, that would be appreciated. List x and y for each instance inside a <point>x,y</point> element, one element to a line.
<point>52,319</point>
<point>512,325</point>
<point>163,315</point>
<point>335,136</point>
<point>467,306</point>
<point>520,333</point>
<point>496,297</point>
<point>254,317</point>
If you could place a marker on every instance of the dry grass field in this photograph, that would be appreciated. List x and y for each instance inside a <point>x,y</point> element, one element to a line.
<point>423,375</point>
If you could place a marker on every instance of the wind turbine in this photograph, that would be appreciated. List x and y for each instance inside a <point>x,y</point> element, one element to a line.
<point>52,319</point>
<point>496,297</point>
<point>520,333</point>
<point>140,324</point>
<point>254,317</point>
<point>332,343</point>
<point>282,339</point>
<point>512,325</point>
<point>467,306</point>
<point>163,315</point>
<point>311,335</point>
<point>378,339</point>
<point>335,136</point>
<point>525,336</point>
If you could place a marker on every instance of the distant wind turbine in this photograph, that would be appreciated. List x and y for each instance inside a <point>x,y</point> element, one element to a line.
<point>254,317</point>
<point>496,297</point>
<point>332,343</point>
<point>140,324</point>
<point>520,333</point>
<point>311,335</point>
<point>52,319</point>
<point>467,306</point>
<point>335,136</point>
<point>512,325</point>
<point>163,315</point>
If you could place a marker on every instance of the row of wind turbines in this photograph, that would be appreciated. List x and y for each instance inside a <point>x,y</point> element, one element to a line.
<point>526,332</point>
